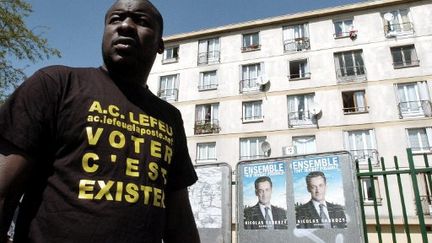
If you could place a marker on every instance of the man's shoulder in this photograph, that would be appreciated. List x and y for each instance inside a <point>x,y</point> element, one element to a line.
<point>67,69</point>
<point>251,209</point>
<point>164,107</point>
<point>305,206</point>
<point>277,209</point>
<point>334,206</point>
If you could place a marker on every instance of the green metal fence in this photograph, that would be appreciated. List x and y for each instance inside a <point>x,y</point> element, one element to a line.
<point>384,174</point>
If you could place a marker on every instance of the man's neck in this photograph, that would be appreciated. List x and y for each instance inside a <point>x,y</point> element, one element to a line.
<point>127,76</point>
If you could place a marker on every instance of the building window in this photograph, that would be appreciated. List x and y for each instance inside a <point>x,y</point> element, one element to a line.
<point>304,144</point>
<point>206,118</point>
<point>251,42</point>
<point>369,187</point>
<point>425,192</point>
<point>250,77</point>
<point>420,139</point>
<point>354,102</point>
<point>252,111</point>
<point>350,66</point>
<point>250,148</point>
<point>343,28</point>
<point>299,69</point>
<point>168,87</point>
<point>413,99</point>
<point>170,54</point>
<point>298,110</point>
<point>208,81</point>
<point>296,37</point>
<point>208,51</point>
<point>397,23</point>
<point>206,152</point>
<point>404,56</point>
<point>362,145</point>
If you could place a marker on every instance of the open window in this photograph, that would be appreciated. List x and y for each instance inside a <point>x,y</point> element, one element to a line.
<point>354,102</point>
<point>170,55</point>
<point>299,69</point>
<point>370,190</point>
<point>404,56</point>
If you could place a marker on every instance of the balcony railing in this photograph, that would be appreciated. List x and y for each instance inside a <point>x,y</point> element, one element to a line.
<point>391,30</point>
<point>257,118</point>
<point>209,57</point>
<point>297,44</point>
<point>254,47</point>
<point>301,118</point>
<point>206,126</point>
<point>406,63</point>
<point>352,34</point>
<point>415,108</point>
<point>424,149</point>
<point>170,60</point>
<point>351,74</point>
<point>249,85</point>
<point>249,157</point>
<point>295,76</point>
<point>203,87</point>
<point>363,156</point>
<point>354,110</point>
<point>168,94</point>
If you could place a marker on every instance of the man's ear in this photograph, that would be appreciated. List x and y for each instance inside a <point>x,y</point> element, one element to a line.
<point>161,46</point>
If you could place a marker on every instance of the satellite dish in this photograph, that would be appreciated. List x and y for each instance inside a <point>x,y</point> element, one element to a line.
<point>388,16</point>
<point>266,148</point>
<point>314,108</point>
<point>264,87</point>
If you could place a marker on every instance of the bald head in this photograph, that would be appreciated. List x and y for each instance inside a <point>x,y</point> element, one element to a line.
<point>149,6</point>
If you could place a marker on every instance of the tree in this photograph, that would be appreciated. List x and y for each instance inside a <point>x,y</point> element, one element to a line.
<point>19,42</point>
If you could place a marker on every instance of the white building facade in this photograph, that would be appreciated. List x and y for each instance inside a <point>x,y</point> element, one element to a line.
<point>356,77</point>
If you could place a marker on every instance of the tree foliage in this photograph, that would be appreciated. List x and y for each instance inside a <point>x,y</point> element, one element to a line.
<point>19,42</point>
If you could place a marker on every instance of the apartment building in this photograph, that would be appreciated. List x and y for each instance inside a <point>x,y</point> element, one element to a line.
<point>356,77</point>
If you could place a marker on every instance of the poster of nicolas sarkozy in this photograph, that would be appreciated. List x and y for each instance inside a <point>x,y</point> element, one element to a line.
<point>264,196</point>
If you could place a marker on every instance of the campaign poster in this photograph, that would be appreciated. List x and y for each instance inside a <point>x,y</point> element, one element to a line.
<point>264,196</point>
<point>318,193</point>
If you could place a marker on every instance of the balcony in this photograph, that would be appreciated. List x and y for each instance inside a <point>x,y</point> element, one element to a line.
<point>170,60</point>
<point>254,47</point>
<point>363,156</point>
<point>351,74</point>
<point>298,76</point>
<point>406,63</point>
<point>168,94</point>
<point>301,118</point>
<point>208,57</point>
<point>206,126</point>
<point>250,85</point>
<point>204,87</point>
<point>392,30</point>
<point>297,44</point>
<point>415,108</point>
<point>355,110</point>
<point>421,150</point>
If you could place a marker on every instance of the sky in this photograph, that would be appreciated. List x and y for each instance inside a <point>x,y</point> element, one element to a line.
<point>75,27</point>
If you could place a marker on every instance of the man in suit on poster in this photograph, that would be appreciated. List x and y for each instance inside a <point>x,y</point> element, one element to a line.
<point>318,213</point>
<point>264,215</point>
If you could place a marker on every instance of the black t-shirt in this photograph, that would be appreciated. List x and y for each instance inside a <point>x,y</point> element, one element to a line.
<point>105,156</point>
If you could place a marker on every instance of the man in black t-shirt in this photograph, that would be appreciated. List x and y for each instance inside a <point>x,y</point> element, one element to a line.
<point>98,157</point>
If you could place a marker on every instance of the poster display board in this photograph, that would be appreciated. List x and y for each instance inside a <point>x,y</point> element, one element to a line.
<point>310,198</point>
<point>210,199</point>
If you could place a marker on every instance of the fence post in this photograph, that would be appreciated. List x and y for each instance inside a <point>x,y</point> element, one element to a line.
<point>417,195</point>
